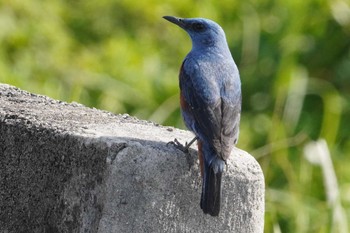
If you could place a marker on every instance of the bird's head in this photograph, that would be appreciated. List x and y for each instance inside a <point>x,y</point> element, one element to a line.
<point>203,32</point>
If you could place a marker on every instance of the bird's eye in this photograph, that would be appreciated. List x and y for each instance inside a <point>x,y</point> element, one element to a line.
<point>198,26</point>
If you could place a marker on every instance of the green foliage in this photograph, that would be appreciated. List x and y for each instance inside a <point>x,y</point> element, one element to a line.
<point>293,56</point>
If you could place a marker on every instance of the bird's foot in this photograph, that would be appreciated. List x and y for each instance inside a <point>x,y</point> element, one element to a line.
<point>183,148</point>
<point>179,146</point>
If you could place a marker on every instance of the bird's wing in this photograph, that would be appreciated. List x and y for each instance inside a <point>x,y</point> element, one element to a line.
<point>216,112</point>
<point>231,113</point>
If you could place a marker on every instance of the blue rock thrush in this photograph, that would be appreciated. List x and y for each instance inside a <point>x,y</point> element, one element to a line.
<point>210,99</point>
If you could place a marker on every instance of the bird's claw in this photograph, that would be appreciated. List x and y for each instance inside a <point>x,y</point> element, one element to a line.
<point>179,146</point>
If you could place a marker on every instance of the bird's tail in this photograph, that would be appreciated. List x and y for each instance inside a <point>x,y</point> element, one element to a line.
<point>211,189</point>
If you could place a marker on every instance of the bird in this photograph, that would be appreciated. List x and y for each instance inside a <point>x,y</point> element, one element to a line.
<point>210,102</point>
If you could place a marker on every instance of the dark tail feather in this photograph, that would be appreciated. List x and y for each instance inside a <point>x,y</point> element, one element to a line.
<point>211,190</point>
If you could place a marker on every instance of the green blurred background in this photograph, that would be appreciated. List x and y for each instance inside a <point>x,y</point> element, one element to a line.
<point>294,61</point>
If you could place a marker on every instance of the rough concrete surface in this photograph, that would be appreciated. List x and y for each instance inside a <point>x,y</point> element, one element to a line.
<point>68,168</point>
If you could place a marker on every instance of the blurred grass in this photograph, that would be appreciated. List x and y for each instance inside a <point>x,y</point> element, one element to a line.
<point>293,56</point>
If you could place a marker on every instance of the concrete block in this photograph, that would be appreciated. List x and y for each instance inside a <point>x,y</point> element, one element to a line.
<point>68,168</point>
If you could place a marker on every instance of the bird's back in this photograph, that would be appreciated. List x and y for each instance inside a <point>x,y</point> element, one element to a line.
<point>210,84</point>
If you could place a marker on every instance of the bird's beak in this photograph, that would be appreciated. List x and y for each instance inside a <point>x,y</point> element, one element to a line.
<point>175,20</point>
